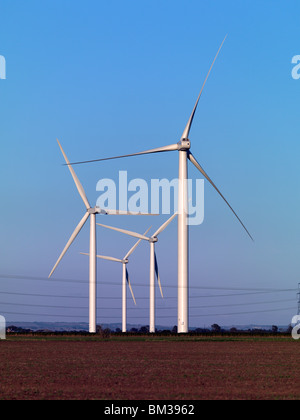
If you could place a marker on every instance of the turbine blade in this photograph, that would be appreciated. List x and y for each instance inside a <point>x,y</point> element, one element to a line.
<point>164,226</point>
<point>127,232</point>
<point>197,165</point>
<point>169,148</point>
<point>157,275</point>
<point>186,132</point>
<point>135,246</point>
<point>127,213</point>
<point>71,240</point>
<point>129,285</point>
<point>103,257</point>
<point>76,180</point>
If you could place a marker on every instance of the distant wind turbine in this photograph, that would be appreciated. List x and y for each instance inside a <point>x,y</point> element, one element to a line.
<point>125,279</point>
<point>153,263</point>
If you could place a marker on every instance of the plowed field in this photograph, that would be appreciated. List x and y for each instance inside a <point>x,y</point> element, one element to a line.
<point>146,370</point>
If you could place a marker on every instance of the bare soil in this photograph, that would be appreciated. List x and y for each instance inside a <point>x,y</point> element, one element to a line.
<point>149,370</point>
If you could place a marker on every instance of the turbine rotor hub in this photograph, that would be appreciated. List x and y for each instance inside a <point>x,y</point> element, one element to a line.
<point>96,210</point>
<point>153,240</point>
<point>184,144</point>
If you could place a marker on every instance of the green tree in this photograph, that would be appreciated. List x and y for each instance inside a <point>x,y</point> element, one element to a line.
<point>216,328</point>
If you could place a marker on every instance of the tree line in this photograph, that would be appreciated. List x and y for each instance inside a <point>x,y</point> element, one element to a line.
<point>215,329</point>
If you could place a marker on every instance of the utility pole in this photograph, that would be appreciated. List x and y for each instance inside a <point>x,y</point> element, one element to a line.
<point>298,294</point>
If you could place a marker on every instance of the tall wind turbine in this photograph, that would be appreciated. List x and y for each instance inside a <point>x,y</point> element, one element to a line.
<point>153,263</point>
<point>185,154</point>
<point>125,279</point>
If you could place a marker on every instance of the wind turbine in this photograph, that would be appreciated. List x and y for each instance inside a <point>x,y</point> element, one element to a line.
<point>125,279</point>
<point>91,213</point>
<point>153,263</point>
<point>185,154</point>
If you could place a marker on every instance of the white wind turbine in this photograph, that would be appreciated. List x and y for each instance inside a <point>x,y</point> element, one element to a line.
<point>153,263</point>
<point>90,212</point>
<point>183,147</point>
<point>125,279</point>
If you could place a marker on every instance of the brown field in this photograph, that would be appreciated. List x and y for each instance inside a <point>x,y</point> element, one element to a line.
<point>149,369</point>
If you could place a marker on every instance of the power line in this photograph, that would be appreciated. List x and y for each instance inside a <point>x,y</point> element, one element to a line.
<point>147,317</point>
<point>18,277</point>
<point>145,308</point>
<point>245,292</point>
<point>243,304</point>
<point>47,315</point>
<point>46,306</point>
<point>55,296</point>
<point>244,313</point>
<point>140,298</point>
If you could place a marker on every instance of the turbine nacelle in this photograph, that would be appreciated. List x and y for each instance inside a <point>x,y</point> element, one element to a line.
<point>96,210</point>
<point>184,144</point>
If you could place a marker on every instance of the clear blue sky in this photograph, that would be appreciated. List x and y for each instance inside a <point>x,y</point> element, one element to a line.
<point>119,77</point>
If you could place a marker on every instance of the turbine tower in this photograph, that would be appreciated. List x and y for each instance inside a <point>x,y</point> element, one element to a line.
<point>125,279</point>
<point>185,154</point>
<point>153,263</point>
